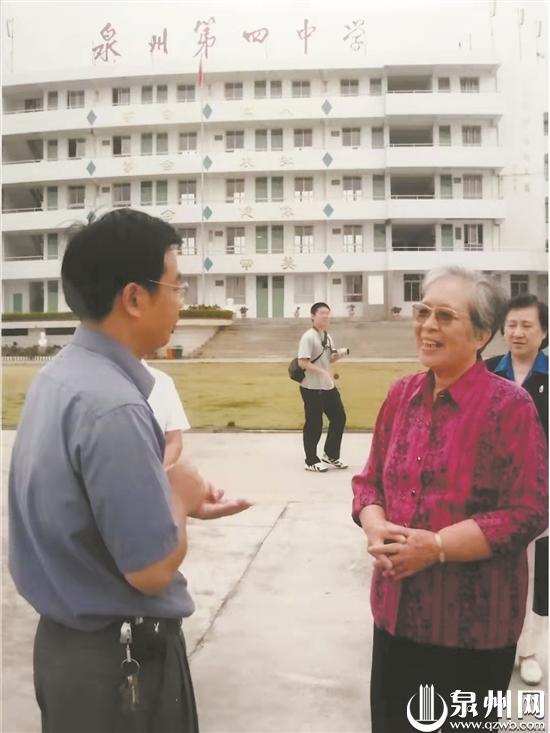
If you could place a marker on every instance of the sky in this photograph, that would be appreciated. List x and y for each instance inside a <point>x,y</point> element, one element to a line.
<point>61,35</point>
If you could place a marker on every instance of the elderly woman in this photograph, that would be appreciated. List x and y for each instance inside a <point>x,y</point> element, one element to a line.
<point>452,493</point>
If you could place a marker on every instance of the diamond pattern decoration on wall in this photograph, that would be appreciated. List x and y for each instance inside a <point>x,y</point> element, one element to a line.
<point>328,262</point>
<point>207,162</point>
<point>91,117</point>
<point>327,159</point>
<point>326,106</point>
<point>207,212</point>
<point>91,167</point>
<point>208,264</point>
<point>328,210</point>
<point>207,111</point>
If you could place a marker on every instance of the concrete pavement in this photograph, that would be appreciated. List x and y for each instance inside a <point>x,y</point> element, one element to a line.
<point>281,639</point>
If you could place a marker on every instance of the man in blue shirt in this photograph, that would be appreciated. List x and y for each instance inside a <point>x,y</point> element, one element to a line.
<point>97,526</point>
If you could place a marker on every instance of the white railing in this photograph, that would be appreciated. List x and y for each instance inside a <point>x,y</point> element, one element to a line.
<point>412,196</point>
<point>17,258</point>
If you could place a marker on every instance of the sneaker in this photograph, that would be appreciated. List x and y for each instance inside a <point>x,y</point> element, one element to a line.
<point>530,671</point>
<point>336,462</point>
<point>317,467</point>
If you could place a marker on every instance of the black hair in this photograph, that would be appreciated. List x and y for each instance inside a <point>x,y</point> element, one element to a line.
<point>315,307</point>
<point>526,300</point>
<point>122,247</point>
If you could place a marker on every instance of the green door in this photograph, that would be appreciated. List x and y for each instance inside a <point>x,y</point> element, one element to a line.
<point>278,296</point>
<point>261,296</point>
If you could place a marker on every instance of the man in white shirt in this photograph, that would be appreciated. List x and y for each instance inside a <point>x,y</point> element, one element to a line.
<point>168,410</point>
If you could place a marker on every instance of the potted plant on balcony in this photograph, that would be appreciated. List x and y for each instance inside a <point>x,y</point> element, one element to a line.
<point>395,311</point>
<point>243,311</point>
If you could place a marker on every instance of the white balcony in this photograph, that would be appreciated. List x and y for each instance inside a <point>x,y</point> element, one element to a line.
<point>482,105</point>
<point>39,220</point>
<point>31,269</point>
<point>497,260</point>
<point>441,156</point>
<point>423,208</point>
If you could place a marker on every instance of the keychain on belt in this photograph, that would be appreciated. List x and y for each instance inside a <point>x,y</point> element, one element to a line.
<point>130,668</point>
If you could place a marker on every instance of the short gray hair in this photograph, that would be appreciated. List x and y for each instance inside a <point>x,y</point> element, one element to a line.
<point>488,305</point>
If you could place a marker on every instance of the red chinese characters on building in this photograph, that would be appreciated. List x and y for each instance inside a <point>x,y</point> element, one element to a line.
<point>305,33</point>
<point>158,43</point>
<point>257,36</point>
<point>355,34</point>
<point>103,51</point>
<point>206,40</point>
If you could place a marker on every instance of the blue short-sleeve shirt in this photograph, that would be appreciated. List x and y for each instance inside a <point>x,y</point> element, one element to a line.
<point>89,498</point>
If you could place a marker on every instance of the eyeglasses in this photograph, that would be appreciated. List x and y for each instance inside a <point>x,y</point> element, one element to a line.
<point>180,289</point>
<point>443,316</point>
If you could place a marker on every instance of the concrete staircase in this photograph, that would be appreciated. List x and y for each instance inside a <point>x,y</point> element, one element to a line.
<point>250,338</point>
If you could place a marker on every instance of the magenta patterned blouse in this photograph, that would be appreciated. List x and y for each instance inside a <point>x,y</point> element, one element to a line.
<point>477,452</point>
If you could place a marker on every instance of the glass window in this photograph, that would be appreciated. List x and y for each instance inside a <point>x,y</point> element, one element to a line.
<point>277,188</point>
<point>471,135</point>
<point>121,145</point>
<point>53,296</point>
<point>146,193</point>
<point>17,303</point>
<point>187,141</point>
<point>303,138</point>
<point>36,296</point>
<point>121,194</point>
<point>147,95</point>
<point>51,197</point>
<point>121,96</point>
<point>276,139</point>
<point>147,143</point>
<point>473,237</point>
<point>162,93</point>
<point>349,87</point>
<point>469,84</point>
<point>260,89</point>
<point>77,148</point>
<point>162,143</point>
<point>301,89</point>
<point>303,239</point>
<point>261,139</point>
<point>377,137</point>
<point>412,288</point>
<point>234,190</point>
<point>52,246</point>
<point>76,197</point>
<point>472,187</point>
<point>162,193</point>
<point>446,187</point>
<point>352,188</point>
<point>261,240</point>
<point>234,140</point>
<point>34,104</point>
<point>51,149</point>
<point>444,135</point>
<point>75,100</point>
<point>236,244</point>
<point>519,285</point>
<point>304,289</point>
<point>275,89</point>
<point>351,137</point>
<point>353,238</point>
<point>379,237</point>
<point>189,241</point>
<point>443,84</point>
<point>235,288</point>
<point>378,187</point>
<point>277,239</point>
<point>447,238</point>
<point>185,93</point>
<point>187,191</point>
<point>353,288</point>
<point>52,100</point>
<point>261,189</point>
<point>303,188</point>
<point>375,86</point>
<point>234,90</point>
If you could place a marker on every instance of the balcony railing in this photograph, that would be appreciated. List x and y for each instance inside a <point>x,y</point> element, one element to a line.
<point>412,247</point>
<point>412,196</point>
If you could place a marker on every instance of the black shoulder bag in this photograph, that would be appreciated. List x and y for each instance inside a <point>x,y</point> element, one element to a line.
<point>295,371</point>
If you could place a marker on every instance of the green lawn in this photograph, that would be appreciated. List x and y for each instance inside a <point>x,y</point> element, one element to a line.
<point>252,396</point>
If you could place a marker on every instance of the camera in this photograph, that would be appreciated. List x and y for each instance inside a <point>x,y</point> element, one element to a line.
<point>341,352</point>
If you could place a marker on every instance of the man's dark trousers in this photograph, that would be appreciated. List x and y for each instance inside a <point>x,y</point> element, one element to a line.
<point>317,402</point>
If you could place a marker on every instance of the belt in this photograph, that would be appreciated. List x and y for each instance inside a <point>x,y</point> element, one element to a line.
<point>154,624</point>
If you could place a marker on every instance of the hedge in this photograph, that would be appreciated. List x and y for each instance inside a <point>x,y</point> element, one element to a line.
<point>192,312</point>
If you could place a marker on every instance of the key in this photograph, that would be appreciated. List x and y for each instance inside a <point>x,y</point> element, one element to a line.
<point>130,669</point>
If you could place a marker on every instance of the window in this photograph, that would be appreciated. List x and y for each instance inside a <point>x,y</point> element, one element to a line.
<point>264,137</point>
<point>121,145</point>
<point>443,84</point>
<point>275,89</point>
<point>234,90</point>
<point>447,239</point>
<point>51,197</point>
<point>36,297</point>
<point>303,138</point>
<point>75,198</point>
<point>377,137</point>
<point>260,89</point>
<point>303,239</point>
<point>545,123</point>
<point>187,141</point>
<point>412,288</point>
<point>378,187</point>
<point>261,139</point>
<point>349,87</point>
<point>473,237</point>
<point>77,147</point>
<point>446,187</point>
<point>277,188</point>
<point>276,139</point>
<point>353,288</point>
<point>469,84</point>
<point>261,240</point>
<point>187,191</point>
<point>375,86</point>
<point>236,244</point>
<point>146,197</point>
<point>303,189</point>
<point>261,189</point>
<point>162,93</point>
<point>147,143</point>
<point>147,95</point>
<point>351,137</point>
<point>235,288</point>
<point>353,238</point>
<point>471,135</point>
<point>162,193</point>
<point>234,140</point>
<point>53,294</point>
<point>51,150</point>
<point>379,237</point>
<point>52,100</point>
<point>352,188</point>
<point>185,93</point>
<point>121,95</point>
<point>188,241</point>
<point>444,135</point>
<point>75,100</point>
<point>162,143</point>
<point>519,285</point>
<point>277,239</point>
<point>121,194</point>
<point>304,289</point>
<point>52,246</point>
<point>263,184</point>
<point>234,190</point>
<point>301,89</point>
<point>472,187</point>
<point>18,303</point>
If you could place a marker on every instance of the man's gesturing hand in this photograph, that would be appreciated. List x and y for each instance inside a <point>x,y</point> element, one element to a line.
<point>215,505</point>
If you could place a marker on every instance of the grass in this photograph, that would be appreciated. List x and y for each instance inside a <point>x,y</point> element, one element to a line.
<point>243,396</point>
